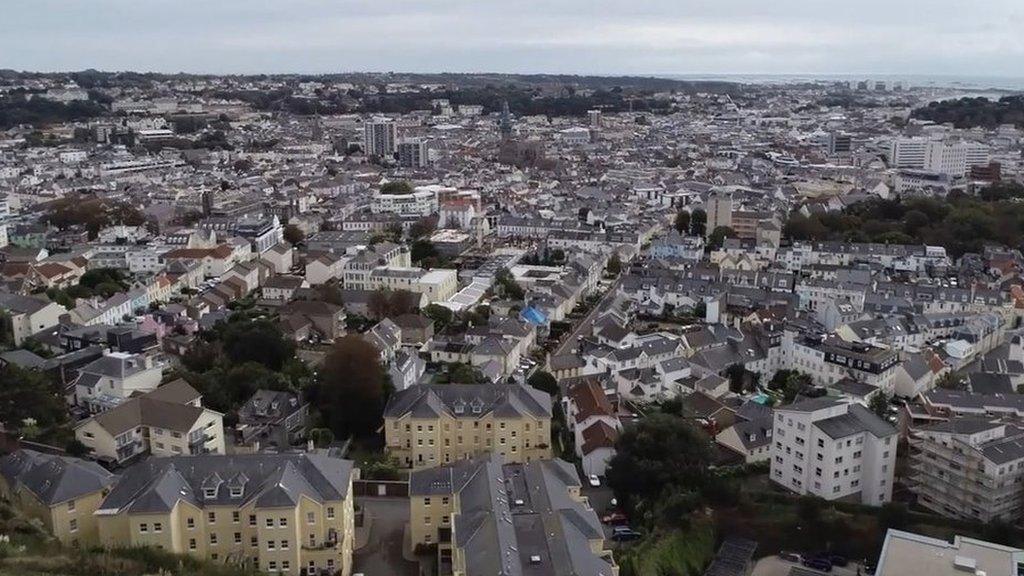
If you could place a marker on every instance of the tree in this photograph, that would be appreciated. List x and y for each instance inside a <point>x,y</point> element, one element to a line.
<point>682,222</point>
<point>879,404</point>
<point>544,382</point>
<point>396,187</point>
<point>379,303</point>
<point>255,341</point>
<point>423,227</point>
<point>293,234</point>
<point>698,222</point>
<point>736,374</point>
<point>28,396</point>
<point>507,285</point>
<point>657,452</point>
<point>465,374</point>
<point>421,250</point>
<point>352,388</point>
<point>893,515</point>
<point>321,437</point>
<point>441,316</point>
<point>615,264</point>
<point>717,238</point>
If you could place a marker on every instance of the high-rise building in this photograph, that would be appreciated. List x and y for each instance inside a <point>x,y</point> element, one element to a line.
<point>413,153</point>
<point>839,143</point>
<point>506,121</point>
<point>379,137</point>
<point>719,210</point>
<point>950,158</point>
<point>596,118</point>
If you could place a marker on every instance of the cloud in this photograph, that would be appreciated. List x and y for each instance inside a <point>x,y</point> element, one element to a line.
<point>581,36</point>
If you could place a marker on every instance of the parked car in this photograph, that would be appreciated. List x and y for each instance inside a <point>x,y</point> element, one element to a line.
<point>615,518</point>
<point>818,564</point>
<point>838,560</point>
<point>790,556</point>
<point>594,480</point>
<point>625,534</point>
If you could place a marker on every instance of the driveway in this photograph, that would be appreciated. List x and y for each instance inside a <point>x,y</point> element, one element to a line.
<point>775,566</point>
<point>382,555</point>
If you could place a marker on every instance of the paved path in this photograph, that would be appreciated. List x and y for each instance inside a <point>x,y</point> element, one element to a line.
<point>382,554</point>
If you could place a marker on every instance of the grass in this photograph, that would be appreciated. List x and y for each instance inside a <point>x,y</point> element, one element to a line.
<point>677,552</point>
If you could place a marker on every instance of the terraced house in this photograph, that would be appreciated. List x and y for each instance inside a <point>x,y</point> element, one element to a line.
<point>278,513</point>
<point>488,516</point>
<point>429,425</point>
<point>60,492</point>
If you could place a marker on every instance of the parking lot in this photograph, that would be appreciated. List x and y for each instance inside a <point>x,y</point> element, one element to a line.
<point>383,553</point>
<point>775,566</point>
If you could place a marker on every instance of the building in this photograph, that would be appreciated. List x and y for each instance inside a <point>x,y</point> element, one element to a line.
<point>413,153</point>
<point>719,211</point>
<point>596,119</point>
<point>379,137</point>
<point>29,315</point>
<point>908,554</point>
<point>109,380</point>
<point>594,424</point>
<point>491,517</point>
<point>278,513</point>
<point>833,450</point>
<point>969,468</point>
<point>839,143</point>
<point>428,425</point>
<point>59,491</point>
<point>422,201</point>
<point>272,419</point>
<point>168,421</point>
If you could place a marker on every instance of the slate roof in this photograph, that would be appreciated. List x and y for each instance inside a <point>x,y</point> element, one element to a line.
<point>857,419</point>
<point>54,479</point>
<point>511,513</point>
<point>268,480</point>
<point>468,401</point>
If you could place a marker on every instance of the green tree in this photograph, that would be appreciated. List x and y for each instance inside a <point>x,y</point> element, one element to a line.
<point>255,341</point>
<point>698,222</point>
<point>657,452</point>
<point>293,234</point>
<point>717,238</point>
<point>544,382</point>
<point>396,187</point>
<point>29,396</point>
<point>879,404</point>
<point>615,264</point>
<point>440,315</point>
<point>465,374</point>
<point>321,437</point>
<point>682,222</point>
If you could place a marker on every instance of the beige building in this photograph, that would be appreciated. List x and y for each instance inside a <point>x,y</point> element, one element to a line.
<point>278,513</point>
<point>428,425</point>
<point>488,517</point>
<point>60,492</point>
<point>169,421</point>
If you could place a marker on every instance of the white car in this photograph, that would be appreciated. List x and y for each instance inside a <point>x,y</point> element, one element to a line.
<point>594,480</point>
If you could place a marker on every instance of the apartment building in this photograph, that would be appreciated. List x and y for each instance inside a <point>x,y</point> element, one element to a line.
<point>909,554</point>
<point>107,381</point>
<point>428,425</point>
<point>60,492</point>
<point>29,315</point>
<point>488,516</point>
<point>969,468</point>
<point>278,513</point>
<point>833,450</point>
<point>828,359</point>
<point>168,421</point>
<point>379,137</point>
<point>420,202</point>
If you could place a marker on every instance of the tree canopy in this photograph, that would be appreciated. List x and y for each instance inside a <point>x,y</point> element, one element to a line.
<point>352,387</point>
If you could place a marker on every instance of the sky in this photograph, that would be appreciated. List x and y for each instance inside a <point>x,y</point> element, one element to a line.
<point>649,37</point>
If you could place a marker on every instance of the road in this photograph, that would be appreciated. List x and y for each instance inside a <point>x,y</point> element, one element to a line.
<point>586,325</point>
<point>382,555</point>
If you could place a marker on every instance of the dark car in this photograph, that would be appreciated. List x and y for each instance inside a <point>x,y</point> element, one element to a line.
<point>625,535</point>
<point>789,556</point>
<point>818,564</point>
<point>838,560</point>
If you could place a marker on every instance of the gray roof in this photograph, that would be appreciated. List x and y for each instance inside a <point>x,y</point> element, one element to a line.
<point>268,480</point>
<point>513,512</point>
<point>54,479</point>
<point>857,419</point>
<point>469,401</point>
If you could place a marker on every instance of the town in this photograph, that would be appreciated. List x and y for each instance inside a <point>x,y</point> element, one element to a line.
<point>461,324</point>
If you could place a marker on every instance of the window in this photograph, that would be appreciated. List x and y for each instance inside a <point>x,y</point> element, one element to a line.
<point>821,443</point>
<point>282,522</point>
<point>284,544</point>
<point>212,517</point>
<point>190,523</point>
<point>310,518</point>
<point>191,543</point>
<point>254,542</point>
<point>252,519</point>
<point>444,500</point>
<point>73,525</point>
<point>158,527</point>
<point>312,540</point>
<point>426,501</point>
<point>272,565</point>
<point>213,538</point>
<point>285,565</point>
<point>209,492</point>
<point>236,517</point>
<point>143,527</point>
<point>238,537</point>
<point>271,545</point>
<point>71,505</point>
<point>270,522</point>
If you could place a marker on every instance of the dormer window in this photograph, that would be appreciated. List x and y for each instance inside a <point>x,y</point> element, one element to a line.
<point>236,491</point>
<point>209,492</point>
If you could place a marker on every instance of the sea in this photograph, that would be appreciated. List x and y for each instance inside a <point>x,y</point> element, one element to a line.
<point>969,84</point>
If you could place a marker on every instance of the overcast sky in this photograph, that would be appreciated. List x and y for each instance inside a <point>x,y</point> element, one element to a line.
<point>953,37</point>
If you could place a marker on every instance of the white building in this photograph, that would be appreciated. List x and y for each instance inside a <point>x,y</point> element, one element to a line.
<point>833,450</point>
<point>379,137</point>
<point>422,201</point>
<point>413,153</point>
